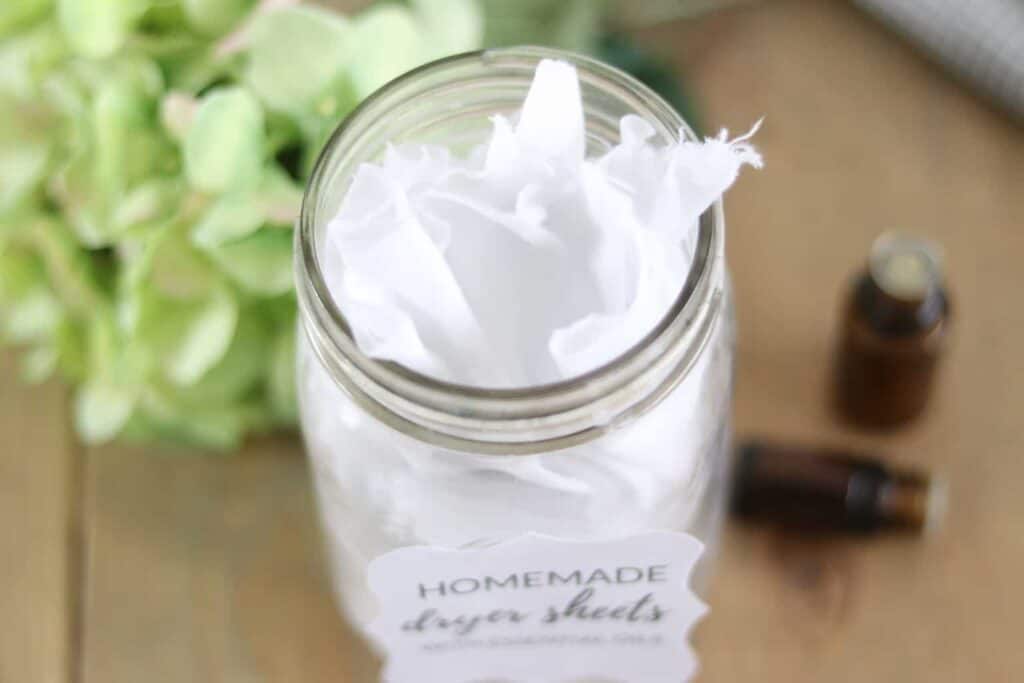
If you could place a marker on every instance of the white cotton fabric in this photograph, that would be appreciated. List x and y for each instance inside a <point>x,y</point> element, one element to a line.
<point>525,262</point>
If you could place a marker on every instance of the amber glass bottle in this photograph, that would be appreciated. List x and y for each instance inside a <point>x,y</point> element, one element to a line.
<point>893,333</point>
<point>828,490</point>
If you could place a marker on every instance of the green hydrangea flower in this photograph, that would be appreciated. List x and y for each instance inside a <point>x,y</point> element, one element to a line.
<point>152,155</point>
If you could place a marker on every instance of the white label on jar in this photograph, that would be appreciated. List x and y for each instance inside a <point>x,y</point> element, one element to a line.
<point>539,610</point>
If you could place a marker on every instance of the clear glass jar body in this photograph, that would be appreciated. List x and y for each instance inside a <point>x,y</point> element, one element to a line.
<point>399,460</point>
<point>379,489</point>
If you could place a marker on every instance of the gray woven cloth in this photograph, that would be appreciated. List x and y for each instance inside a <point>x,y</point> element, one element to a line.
<point>981,40</point>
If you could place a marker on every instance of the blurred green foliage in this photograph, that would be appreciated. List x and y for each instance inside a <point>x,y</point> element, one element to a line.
<point>569,24</point>
<point>152,154</point>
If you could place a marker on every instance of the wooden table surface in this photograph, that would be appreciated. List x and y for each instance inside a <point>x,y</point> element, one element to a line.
<point>121,566</point>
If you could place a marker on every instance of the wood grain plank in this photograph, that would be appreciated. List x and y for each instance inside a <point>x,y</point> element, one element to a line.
<point>861,136</point>
<point>204,568</point>
<point>37,469</point>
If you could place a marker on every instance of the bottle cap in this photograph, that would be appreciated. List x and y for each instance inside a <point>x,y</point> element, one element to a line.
<point>894,329</point>
<point>906,267</point>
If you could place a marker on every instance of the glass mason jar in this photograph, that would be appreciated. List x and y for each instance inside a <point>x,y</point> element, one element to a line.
<point>400,459</point>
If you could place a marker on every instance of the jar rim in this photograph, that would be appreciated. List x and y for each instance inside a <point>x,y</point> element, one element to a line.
<point>408,399</point>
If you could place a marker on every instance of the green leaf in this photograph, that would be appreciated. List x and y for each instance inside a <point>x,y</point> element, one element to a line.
<point>244,364</point>
<point>68,268</point>
<point>16,13</point>
<point>71,186</point>
<point>200,335</point>
<point>69,344</point>
<point>32,317</point>
<point>25,150</point>
<point>66,95</point>
<point>190,68</point>
<point>118,113</point>
<point>214,17</point>
<point>163,415</point>
<point>296,56</point>
<point>98,28</point>
<point>115,372</point>
<point>454,26</point>
<point>151,264</point>
<point>20,272</point>
<point>27,58</point>
<point>42,252</point>
<point>217,410</point>
<point>121,145</point>
<point>112,360</point>
<point>172,268</point>
<point>22,169</point>
<point>225,145</point>
<point>231,217</point>
<point>280,198</point>
<point>177,112</point>
<point>316,129</point>
<point>260,263</point>
<point>141,74</point>
<point>276,201</point>
<point>150,201</point>
<point>386,43</point>
<point>175,308</point>
<point>102,409</point>
<point>281,382</point>
<point>568,24</point>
